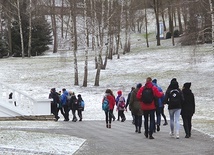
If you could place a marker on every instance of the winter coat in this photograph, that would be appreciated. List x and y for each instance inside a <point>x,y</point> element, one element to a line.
<point>134,103</point>
<point>188,106</point>
<point>156,93</point>
<point>173,85</point>
<point>111,100</point>
<point>79,101</point>
<point>63,98</point>
<point>159,100</point>
<point>74,103</point>
<point>117,102</point>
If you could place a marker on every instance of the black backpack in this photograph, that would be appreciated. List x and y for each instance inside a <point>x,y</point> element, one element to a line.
<point>147,95</point>
<point>175,97</point>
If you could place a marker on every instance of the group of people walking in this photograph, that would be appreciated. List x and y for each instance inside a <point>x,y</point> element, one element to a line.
<point>148,100</point>
<point>65,102</point>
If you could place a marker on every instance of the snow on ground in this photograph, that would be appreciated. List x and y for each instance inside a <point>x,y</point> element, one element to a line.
<point>37,75</point>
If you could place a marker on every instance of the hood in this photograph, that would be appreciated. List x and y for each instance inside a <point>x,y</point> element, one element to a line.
<point>174,85</point>
<point>148,84</point>
<point>65,93</point>
<point>187,85</point>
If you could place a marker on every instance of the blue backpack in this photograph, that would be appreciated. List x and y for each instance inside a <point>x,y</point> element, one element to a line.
<point>82,104</point>
<point>105,104</point>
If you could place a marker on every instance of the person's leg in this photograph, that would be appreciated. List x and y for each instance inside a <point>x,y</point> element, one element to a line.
<point>110,117</point>
<point>164,116</point>
<point>123,116</point>
<point>106,114</point>
<point>80,115</point>
<point>136,123</point>
<point>146,115</point>
<point>158,115</point>
<point>118,115</point>
<point>177,123</point>
<point>152,123</point>
<point>190,125</point>
<point>185,125</point>
<point>171,116</point>
<point>139,123</point>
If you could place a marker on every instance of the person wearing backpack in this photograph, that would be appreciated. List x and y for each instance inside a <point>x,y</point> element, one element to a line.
<point>188,108</point>
<point>81,105</point>
<point>174,99</point>
<point>65,106</point>
<point>110,100</point>
<point>135,108</point>
<point>146,95</point>
<point>159,106</point>
<point>121,106</point>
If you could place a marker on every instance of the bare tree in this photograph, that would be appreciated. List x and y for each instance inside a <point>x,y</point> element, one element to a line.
<point>20,28</point>
<point>156,6</point>
<point>30,28</point>
<point>86,46</point>
<point>54,27</point>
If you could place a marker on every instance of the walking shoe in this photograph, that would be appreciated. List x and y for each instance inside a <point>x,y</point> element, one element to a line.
<point>136,130</point>
<point>171,134</point>
<point>158,127</point>
<point>139,131</point>
<point>151,137</point>
<point>177,137</point>
<point>106,125</point>
<point>165,123</point>
<point>109,126</point>
<point>146,134</point>
<point>187,136</point>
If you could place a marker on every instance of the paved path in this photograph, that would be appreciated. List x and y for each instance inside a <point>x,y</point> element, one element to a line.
<point>122,140</point>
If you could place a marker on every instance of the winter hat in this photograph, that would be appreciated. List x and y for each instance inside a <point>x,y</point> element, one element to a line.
<point>154,81</point>
<point>53,89</point>
<point>174,79</point>
<point>119,92</point>
<point>174,85</point>
<point>139,85</point>
<point>187,85</point>
<point>78,95</point>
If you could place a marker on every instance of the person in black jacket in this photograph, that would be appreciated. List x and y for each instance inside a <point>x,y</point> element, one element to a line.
<point>188,108</point>
<point>74,106</point>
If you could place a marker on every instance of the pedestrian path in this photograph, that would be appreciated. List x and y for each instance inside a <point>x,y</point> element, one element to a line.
<point>121,139</point>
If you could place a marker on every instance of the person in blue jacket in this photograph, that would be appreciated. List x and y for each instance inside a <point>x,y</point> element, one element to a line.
<point>64,103</point>
<point>160,106</point>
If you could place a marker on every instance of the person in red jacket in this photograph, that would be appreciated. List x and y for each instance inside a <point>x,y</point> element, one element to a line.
<point>149,108</point>
<point>109,113</point>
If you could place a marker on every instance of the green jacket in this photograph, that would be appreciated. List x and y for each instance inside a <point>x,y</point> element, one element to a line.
<point>134,103</point>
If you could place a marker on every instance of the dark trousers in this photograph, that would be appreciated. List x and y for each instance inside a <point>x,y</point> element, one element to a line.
<point>149,128</point>
<point>121,114</point>
<point>66,112</point>
<point>74,114</point>
<point>109,115</point>
<point>80,114</point>
<point>54,110</point>
<point>61,110</point>
<point>187,123</point>
<point>138,122</point>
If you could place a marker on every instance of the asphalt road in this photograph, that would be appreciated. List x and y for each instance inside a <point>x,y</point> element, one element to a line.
<point>121,139</point>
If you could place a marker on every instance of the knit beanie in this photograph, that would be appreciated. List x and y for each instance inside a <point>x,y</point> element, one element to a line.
<point>119,92</point>
<point>139,85</point>
<point>154,81</point>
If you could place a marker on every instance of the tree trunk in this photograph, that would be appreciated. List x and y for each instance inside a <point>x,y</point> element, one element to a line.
<point>20,28</point>
<point>54,27</point>
<point>86,46</point>
<point>156,9</point>
<point>146,24</point>
<point>179,17</point>
<point>30,28</point>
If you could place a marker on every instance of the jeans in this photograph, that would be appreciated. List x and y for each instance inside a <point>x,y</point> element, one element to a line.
<point>174,115</point>
<point>149,128</point>
<point>109,115</point>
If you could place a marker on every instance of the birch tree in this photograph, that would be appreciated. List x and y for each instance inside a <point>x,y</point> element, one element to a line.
<point>86,46</point>
<point>20,28</point>
<point>30,28</point>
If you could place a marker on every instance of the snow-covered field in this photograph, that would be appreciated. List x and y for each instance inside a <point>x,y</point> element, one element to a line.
<point>37,75</point>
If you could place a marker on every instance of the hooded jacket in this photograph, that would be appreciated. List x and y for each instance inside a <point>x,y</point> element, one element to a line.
<point>111,100</point>
<point>134,103</point>
<point>155,92</point>
<point>188,106</point>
